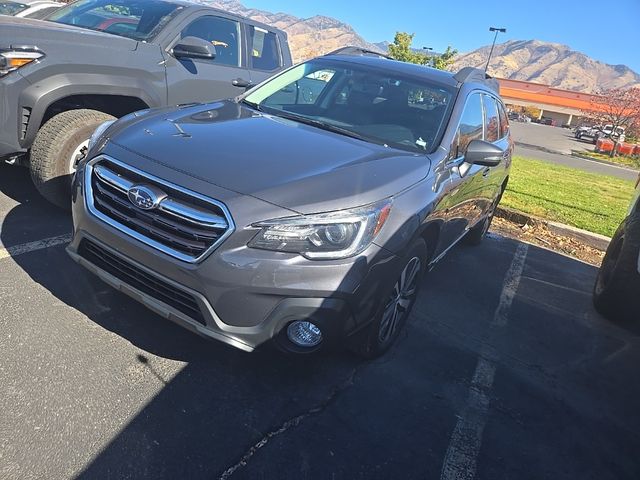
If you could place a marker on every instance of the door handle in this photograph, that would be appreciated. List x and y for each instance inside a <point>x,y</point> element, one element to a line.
<point>485,172</point>
<point>242,83</point>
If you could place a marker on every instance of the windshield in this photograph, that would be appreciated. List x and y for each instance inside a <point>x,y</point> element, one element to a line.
<point>11,8</point>
<point>377,105</point>
<point>136,19</point>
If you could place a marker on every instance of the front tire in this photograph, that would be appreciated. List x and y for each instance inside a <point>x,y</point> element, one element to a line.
<point>616,293</point>
<point>385,328</point>
<point>58,147</point>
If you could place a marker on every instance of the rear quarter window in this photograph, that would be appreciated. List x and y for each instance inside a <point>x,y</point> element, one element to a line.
<point>265,54</point>
<point>491,120</point>
<point>504,122</point>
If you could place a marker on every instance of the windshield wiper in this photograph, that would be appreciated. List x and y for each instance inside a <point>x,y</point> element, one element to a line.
<point>321,124</point>
<point>253,105</point>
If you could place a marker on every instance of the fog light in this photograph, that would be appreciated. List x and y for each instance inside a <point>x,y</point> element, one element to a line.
<point>304,334</point>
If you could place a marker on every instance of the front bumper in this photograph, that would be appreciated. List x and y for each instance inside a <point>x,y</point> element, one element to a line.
<point>246,296</point>
<point>333,315</point>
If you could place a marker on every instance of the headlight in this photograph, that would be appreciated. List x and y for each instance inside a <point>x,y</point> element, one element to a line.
<point>332,235</point>
<point>13,59</point>
<point>95,136</point>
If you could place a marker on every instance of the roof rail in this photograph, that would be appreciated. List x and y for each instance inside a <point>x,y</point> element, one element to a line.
<point>353,50</point>
<point>471,74</point>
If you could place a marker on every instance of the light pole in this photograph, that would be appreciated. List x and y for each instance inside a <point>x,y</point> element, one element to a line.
<point>430,49</point>
<point>497,30</point>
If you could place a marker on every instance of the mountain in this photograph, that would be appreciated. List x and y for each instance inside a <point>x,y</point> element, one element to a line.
<point>308,37</point>
<point>551,64</point>
<point>532,60</point>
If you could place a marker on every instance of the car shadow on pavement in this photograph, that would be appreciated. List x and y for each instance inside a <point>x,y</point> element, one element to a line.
<point>37,218</point>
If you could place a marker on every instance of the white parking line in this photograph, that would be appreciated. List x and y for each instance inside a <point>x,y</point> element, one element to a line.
<point>462,454</point>
<point>23,248</point>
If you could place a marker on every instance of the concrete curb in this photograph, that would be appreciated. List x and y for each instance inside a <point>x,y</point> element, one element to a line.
<point>594,240</point>
<point>542,149</point>
<point>604,162</point>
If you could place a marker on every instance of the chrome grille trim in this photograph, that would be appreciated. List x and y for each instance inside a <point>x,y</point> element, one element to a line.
<point>173,226</point>
<point>192,214</point>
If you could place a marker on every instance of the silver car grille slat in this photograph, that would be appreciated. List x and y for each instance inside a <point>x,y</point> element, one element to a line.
<point>184,224</point>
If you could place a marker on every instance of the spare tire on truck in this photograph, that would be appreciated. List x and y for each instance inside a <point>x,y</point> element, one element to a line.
<point>59,145</point>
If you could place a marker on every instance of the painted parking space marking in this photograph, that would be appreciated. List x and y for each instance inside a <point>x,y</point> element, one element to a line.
<point>23,248</point>
<point>462,453</point>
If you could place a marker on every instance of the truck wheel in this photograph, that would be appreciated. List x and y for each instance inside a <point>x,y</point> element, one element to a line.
<point>59,145</point>
<point>385,328</point>
<point>615,294</point>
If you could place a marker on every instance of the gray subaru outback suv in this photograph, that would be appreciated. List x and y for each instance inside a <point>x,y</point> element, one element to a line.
<point>303,212</point>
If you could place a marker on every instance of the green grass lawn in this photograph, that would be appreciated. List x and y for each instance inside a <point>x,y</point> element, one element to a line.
<point>585,200</point>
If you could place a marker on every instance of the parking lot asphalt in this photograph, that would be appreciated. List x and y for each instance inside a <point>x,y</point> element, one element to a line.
<point>504,371</point>
<point>557,144</point>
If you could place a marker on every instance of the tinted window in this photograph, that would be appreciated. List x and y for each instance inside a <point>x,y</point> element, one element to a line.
<point>265,54</point>
<point>492,123</point>
<point>121,28</point>
<point>470,125</point>
<point>146,17</point>
<point>381,106</point>
<point>11,8</point>
<point>504,123</point>
<point>222,33</point>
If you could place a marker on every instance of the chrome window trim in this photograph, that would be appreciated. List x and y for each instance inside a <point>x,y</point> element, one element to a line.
<point>88,197</point>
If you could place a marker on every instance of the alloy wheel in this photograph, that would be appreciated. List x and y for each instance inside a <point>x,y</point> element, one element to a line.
<point>400,300</point>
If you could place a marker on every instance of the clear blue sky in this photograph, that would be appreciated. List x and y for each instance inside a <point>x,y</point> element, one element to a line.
<point>608,31</point>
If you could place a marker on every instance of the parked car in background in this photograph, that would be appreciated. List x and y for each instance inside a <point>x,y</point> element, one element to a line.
<point>29,8</point>
<point>304,212</point>
<point>596,132</point>
<point>95,60</point>
<point>617,290</point>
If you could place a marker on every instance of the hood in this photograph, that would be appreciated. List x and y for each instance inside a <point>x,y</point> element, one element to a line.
<point>292,165</point>
<point>16,31</point>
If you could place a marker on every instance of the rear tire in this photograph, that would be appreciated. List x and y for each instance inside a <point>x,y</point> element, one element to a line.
<point>59,145</point>
<point>387,324</point>
<point>616,293</point>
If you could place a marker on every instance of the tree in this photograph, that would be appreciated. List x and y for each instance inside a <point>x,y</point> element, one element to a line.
<point>617,107</point>
<point>401,50</point>
<point>444,60</point>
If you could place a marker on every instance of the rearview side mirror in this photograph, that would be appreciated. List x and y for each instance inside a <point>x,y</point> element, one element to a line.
<point>194,47</point>
<point>484,153</point>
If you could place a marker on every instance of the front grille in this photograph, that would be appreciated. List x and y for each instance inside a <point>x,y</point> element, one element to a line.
<point>141,280</point>
<point>183,224</point>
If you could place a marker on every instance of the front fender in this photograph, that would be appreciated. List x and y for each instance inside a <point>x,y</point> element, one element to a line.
<point>41,95</point>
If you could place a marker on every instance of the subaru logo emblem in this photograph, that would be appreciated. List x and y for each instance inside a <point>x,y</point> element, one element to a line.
<point>144,197</point>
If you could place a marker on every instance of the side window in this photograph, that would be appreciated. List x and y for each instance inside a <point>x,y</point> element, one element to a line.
<point>504,122</point>
<point>470,125</point>
<point>492,132</point>
<point>222,33</point>
<point>265,54</point>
